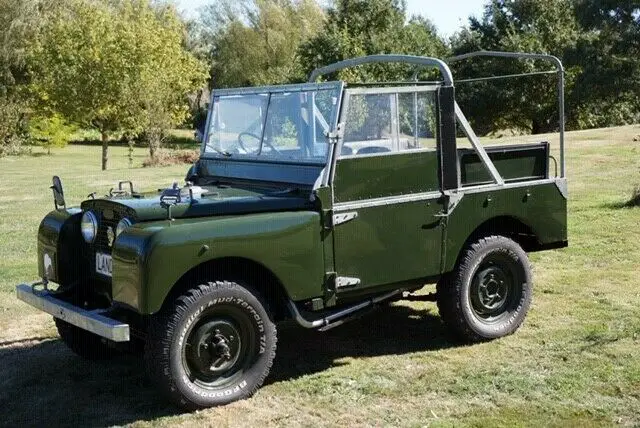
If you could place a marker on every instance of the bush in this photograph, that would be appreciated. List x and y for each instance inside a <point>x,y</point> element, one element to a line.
<point>635,198</point>
<point>172,157</point>
<point>12,127</point>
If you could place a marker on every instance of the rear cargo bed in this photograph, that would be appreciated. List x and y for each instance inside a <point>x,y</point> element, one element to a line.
<point>516,162</point>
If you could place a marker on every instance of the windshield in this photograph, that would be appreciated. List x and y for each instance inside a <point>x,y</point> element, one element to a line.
<point>282,126</point>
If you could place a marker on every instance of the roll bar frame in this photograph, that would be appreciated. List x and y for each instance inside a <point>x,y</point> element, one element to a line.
<point>425,62</point>
<point>420,61</point>
<point>521,55</point>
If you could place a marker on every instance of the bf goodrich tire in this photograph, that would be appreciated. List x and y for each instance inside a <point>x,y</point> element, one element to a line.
<point>85,344</point>
<point>489,293</point>
<point>213,345</point>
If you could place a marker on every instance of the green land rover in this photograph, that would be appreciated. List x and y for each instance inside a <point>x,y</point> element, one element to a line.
<point>310,202</point>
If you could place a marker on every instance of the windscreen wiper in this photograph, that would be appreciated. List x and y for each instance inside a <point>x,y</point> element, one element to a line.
<point>217,150</point>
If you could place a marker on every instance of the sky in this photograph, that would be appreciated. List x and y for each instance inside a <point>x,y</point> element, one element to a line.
<point>448,16</point>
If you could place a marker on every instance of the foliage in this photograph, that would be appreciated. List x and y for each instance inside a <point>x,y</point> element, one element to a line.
<point>608,91</point>
<point>50,131</point>
<point>167,72</point>
<point>18,27</point>
<point>598,41</point>
<point>526,103</point>
<point>172,157</point>
<point>114,66</point>
<point>365,27</point>
<point>255,42</point>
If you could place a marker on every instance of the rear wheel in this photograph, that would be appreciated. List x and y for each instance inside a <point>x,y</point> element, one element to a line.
<point>489,293</point>
<point>215,344</point>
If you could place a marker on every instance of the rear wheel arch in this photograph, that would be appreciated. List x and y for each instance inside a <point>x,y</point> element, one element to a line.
<point>241,270</point>
<point>508,226</point>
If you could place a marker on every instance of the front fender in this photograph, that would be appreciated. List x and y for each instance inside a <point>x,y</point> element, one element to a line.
<point>150,258</point>
<point>57,238</point>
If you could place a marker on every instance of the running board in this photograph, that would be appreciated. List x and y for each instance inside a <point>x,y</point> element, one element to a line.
<point>341,316</point>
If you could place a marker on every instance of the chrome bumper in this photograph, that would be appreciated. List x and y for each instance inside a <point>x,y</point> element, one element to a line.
<point>92,321</point>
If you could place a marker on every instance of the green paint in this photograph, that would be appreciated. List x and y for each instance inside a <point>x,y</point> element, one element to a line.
<point>405,229</point>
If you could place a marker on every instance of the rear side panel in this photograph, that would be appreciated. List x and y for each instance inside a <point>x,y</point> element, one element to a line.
<point>539,205</point>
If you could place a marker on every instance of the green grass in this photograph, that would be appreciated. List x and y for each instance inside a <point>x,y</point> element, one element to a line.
<point>575,361</point>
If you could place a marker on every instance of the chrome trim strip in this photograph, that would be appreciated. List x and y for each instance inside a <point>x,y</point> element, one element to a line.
<point>294,87</point>
<point>490,187</point>
<point>389,153</point>
<point>393,89</point>
<point>457,194</point>
<point>87,320</point>
<point>388,200</point>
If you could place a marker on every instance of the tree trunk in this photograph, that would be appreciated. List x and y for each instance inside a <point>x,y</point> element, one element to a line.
<point>152,148</point>
<point>105,149</point>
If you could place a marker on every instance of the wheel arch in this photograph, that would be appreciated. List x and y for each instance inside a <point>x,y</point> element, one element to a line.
<point>238,269</point>
<point>504,225</point>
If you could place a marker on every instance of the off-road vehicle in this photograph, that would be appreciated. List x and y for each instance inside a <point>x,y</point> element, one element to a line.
<point>310,202</point>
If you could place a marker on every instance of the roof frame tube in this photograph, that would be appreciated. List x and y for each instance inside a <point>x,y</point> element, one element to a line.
<point>420,61</point>
<point>560,71</point>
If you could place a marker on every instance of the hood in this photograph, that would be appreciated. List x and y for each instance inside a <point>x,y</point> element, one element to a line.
<point>217,201</point>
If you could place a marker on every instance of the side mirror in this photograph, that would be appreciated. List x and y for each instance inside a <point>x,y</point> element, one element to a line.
<point>58,193</point>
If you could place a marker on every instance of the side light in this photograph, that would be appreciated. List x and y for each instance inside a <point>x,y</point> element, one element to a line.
<point>122,225</point>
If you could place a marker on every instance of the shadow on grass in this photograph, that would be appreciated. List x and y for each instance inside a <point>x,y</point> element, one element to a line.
<point>390,330</point>
<point>622,205</point>
<point>43,383</point>
<point>631,203</point>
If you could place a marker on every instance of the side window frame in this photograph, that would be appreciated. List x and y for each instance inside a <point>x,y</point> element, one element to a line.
<point>394,113</point>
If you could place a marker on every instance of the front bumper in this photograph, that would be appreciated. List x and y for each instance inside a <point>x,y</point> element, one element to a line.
<point>92,321</point>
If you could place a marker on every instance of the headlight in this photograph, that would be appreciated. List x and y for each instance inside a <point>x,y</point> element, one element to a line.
<point>122,225</point>
<point>89,226</point>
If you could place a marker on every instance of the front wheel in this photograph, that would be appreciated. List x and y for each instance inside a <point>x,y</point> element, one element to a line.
<point>215,344</point>
<point>84,343</point>
<point>489,293</point>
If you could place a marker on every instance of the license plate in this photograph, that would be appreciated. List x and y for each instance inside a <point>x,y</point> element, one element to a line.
<point>103,264</point>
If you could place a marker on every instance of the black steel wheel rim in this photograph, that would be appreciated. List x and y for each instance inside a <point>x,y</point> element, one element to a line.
<point>219,347</point>
<point>496,288</point>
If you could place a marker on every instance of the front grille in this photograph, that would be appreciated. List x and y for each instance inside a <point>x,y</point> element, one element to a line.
<point>109,213</point>
<point>106,219</point>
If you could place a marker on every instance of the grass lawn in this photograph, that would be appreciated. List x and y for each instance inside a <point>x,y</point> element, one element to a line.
<point>575,361</point>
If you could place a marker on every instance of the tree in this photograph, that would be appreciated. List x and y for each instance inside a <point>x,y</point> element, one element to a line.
<point>256,42</point>
<point>99,64</point>
<point>167,72</point>
<point>366,27</point>
<point>50,131</point>
<point>19,20</point>
<point>608,91</point>
<point>527,103</point>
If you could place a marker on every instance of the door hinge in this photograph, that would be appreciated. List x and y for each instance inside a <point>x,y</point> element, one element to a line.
<point>345,281</point>
<point>344,217</point>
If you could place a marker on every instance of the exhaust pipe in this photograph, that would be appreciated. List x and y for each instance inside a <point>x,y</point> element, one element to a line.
<point>339,317</point>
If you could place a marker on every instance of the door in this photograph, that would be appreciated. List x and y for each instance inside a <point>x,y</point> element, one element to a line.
<point>386,188</point>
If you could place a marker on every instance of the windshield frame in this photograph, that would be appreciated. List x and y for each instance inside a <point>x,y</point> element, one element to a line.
<point>337,86</point>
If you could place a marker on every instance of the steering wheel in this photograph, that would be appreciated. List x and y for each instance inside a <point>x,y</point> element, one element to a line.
<point>250,134</point>
<point>240,135</point>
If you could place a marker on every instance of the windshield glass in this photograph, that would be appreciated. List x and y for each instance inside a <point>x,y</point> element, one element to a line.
<point>283,126</point>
